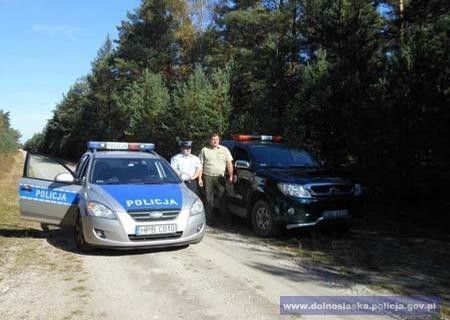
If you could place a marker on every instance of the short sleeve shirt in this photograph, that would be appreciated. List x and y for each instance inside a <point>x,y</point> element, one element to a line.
<point>214,160</point>
<point>185,165</point>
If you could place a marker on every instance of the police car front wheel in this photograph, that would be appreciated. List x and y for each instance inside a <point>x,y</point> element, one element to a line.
<point>262,219</point>
<point>78,234</point>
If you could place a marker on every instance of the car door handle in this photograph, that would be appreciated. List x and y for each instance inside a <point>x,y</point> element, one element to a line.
<point>26,188</point>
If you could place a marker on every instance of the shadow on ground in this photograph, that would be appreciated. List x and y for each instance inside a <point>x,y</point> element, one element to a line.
<point>15,232</point>
<point>63,239</point>
<point>383,256</point>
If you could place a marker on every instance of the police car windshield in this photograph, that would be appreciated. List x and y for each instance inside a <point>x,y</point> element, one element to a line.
<point>279,156</point>
<point>132,171</point>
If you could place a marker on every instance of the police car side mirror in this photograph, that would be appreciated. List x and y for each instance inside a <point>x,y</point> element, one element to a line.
<point>242,164</point>
<point>64,177</point>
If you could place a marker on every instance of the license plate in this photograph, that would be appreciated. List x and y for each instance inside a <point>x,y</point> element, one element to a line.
<point>335,214</point>
<point>156,229</point>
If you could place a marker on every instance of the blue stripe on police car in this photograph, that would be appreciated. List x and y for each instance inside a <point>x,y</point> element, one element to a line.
<point>58,196</point>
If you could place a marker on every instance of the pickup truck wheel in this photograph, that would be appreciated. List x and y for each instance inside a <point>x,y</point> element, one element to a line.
<point>262,219</point>
<point>78,234</point>
<point>343,229</point>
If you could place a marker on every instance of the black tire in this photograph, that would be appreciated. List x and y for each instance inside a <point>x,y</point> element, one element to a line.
<point>80,242</point>
<point>44,227</point>
<point>262,219</point>
<point>342,229</point>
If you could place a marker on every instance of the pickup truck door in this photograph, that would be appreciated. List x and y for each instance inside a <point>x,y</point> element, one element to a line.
<point>42,197</point>
<point>243,182</point>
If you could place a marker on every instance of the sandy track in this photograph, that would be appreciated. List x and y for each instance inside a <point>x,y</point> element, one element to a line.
<point>227,276</point>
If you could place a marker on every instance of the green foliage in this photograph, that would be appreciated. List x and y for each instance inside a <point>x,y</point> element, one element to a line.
<point>35,143</point>
<point>63,135</point>
<point>202,105</point>
<point>146,102</point>
<point>366,88</point>
<point>9,137</point>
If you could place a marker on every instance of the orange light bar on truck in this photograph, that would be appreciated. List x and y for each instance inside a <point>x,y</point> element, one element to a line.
<point>247,137</point>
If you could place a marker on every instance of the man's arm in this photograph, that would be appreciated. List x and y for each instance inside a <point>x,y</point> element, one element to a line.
<point>230,171</point>
<point>229,159</point>
<point>198,173</point>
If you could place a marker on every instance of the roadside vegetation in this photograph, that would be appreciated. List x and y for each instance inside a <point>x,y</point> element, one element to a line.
<point>362,84</point>
<point>9,137</point>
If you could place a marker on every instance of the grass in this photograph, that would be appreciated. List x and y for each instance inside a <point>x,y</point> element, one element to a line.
<point>17,249</point>
<point>10,173</point>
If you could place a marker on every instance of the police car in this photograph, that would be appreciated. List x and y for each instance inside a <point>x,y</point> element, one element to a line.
<point>121,195</point>
<point>282,187</point>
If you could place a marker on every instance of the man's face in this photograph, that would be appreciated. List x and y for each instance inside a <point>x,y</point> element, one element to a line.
<point>214,141</point>
<point>185,151</point>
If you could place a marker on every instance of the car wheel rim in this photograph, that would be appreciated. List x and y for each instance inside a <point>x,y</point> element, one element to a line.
<point>262,218</point>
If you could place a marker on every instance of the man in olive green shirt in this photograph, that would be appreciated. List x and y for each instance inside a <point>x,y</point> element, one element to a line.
<point>215,159</point>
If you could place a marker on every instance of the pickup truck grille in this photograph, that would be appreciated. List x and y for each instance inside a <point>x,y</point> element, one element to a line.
<point>331,190</point>
<point>155,215</point>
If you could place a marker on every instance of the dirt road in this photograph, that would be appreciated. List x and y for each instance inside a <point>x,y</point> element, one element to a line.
<point>227,276</point>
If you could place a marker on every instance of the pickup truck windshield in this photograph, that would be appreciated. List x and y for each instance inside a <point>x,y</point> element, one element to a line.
<point>279,156</point>
<point>132,171</point>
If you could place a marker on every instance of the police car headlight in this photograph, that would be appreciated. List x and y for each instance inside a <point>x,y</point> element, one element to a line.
<point>99,210</point>
<point>294,190</point>
<point>197,207</point>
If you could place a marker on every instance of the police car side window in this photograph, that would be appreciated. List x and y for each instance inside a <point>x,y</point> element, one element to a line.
<point>43,167</point>
<point>80,164</point>
<point>83,167</point>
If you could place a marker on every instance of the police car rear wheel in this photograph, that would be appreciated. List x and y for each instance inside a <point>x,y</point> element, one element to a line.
<point>262,219</point>
<point>78,233</point>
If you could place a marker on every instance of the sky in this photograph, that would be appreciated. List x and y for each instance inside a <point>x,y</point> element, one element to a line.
<point>46,45</point>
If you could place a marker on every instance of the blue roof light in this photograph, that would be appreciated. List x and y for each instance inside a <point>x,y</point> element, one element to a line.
<point>111,145</point>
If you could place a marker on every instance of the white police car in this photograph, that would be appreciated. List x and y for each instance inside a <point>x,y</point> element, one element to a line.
<point>121,195</point>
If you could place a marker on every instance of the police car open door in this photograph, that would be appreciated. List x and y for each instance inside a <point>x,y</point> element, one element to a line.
<point>47,191</point>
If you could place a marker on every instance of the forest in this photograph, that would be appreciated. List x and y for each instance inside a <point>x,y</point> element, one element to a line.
<point>364,85</point>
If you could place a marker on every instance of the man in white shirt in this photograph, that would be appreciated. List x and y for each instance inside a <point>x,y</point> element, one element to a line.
<point>188,167</point>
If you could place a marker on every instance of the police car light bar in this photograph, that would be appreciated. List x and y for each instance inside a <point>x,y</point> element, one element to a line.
<point>246,137</point>
<point>130,146</point>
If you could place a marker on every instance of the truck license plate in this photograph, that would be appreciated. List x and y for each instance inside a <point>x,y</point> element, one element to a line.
<point>335,214</point>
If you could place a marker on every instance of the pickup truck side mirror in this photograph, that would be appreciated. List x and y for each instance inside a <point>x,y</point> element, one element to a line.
<point>242,164</point>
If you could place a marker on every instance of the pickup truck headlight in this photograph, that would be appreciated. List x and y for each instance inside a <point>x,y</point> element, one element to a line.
<point>293,190</point>
<point>197,207</point>
<point>358,189</point>
<point>96,209</point>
